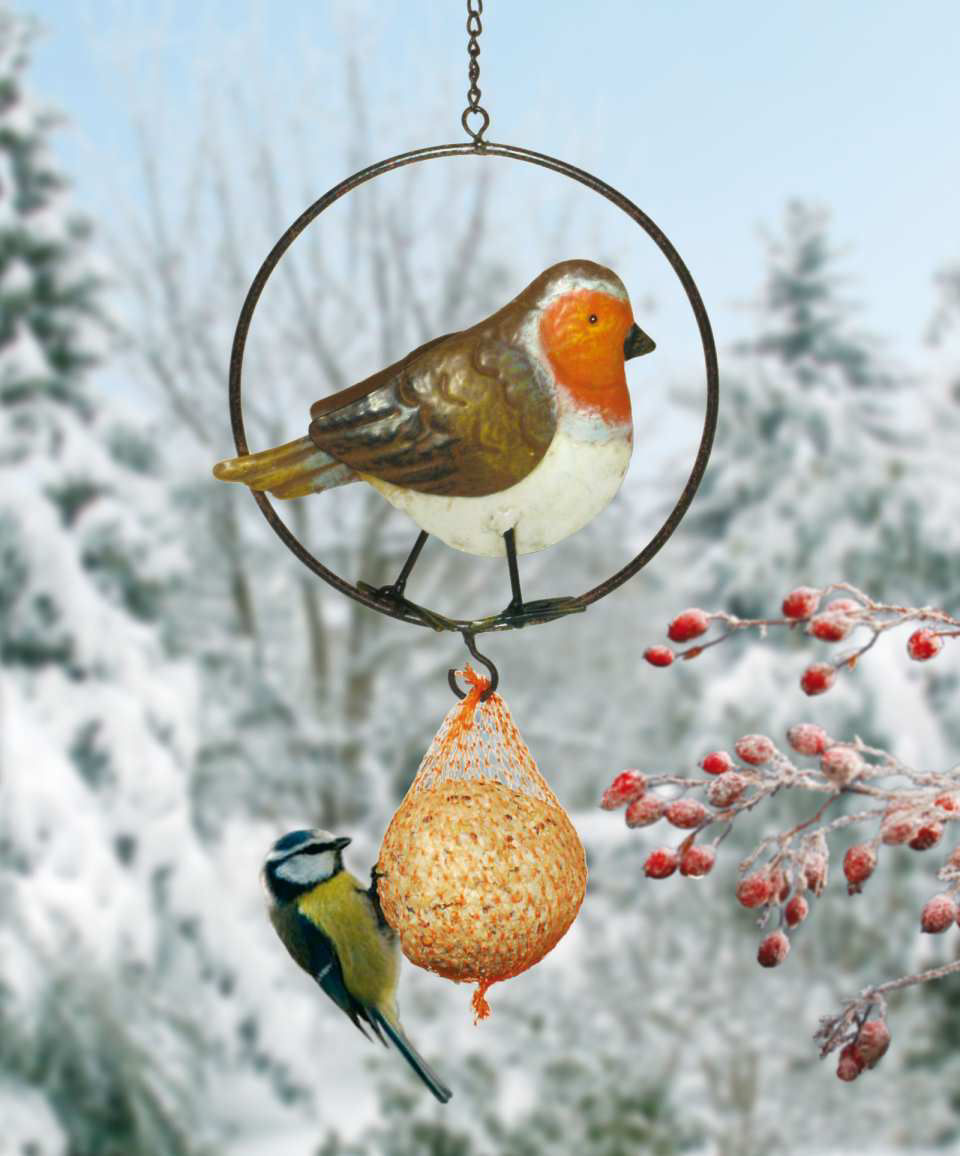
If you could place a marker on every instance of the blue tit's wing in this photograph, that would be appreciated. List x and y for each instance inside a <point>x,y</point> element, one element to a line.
<point>315,953</point>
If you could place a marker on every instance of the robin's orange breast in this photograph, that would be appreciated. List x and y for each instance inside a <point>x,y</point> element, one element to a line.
<point>582,334</point>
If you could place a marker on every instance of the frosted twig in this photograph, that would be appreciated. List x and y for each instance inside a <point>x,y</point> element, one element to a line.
<point>788,868</point>
<point>836,621</point>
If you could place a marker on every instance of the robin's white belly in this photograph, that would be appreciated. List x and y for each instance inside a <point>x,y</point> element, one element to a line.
<point>571,485</point>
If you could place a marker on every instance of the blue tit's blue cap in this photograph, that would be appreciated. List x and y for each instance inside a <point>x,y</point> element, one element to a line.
<point>293,839</point>
<point>315,839</point>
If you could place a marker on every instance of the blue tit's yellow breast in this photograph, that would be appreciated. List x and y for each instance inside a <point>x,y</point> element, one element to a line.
<point>342,910</point>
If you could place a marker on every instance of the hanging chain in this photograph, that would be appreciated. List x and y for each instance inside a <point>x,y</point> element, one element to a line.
<point>473,109</point>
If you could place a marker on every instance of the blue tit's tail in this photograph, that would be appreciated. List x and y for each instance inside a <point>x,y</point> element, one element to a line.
<point>288,471</point>
<point>410,1054</point>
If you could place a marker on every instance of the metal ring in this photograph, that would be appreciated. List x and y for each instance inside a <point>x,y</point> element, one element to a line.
<point>486,149</point>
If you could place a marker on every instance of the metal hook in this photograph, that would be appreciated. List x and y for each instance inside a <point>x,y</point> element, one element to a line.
<point>494,673</point>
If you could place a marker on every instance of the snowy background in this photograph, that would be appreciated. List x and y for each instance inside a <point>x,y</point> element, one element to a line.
<point>176,691</point>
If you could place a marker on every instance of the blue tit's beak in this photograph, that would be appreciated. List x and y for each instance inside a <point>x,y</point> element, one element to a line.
<point>343,841</point>
<point>637,343</point>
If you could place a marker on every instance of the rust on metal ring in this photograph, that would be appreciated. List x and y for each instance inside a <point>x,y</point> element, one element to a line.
<point>488,149</point>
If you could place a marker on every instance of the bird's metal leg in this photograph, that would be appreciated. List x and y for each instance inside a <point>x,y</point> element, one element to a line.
<point>519,613</point>
<point>510,545</point>
<point>394,593</point>
<point>397,587</point>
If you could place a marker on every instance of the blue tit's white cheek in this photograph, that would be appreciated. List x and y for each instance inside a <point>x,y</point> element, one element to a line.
<point>307,868</point>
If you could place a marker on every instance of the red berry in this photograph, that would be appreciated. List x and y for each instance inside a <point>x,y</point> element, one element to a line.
<point>755,749</point>
<point>686,813</point>
<point>689,624</point>
<point>660,863</point>
<point>755,890</point>
<point>716,763</point>
<point>858,865</point>
<point>938,914</point>
<point>808,739</point>
<point>697,861</point>
<point>659,655</point>
<point>818,679</point>
<point>840,765</point>
<point>830,627</point>
<point>924,644</point>
<point>796,911</point>
<point>928,835</point>
<point>801,603</point>
<point>773,949</point>
<point>725,792</point>
<point>644,811</point>
<point>897,828</point>
<point>626,787</point>
<point>947,802</point>
<point>850,1065</point>
<point>872,1042</point>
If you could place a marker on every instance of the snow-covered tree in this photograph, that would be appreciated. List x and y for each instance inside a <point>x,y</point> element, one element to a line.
<point>47,296</point>
<point>810,472</point>
<point>108,904</point>
<point>823,472</point>
<point>946,317</point>
<point>818,476</point>
<point>944,417</point>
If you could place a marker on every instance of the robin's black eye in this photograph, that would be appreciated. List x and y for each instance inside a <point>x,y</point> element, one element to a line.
<point>592,318</point>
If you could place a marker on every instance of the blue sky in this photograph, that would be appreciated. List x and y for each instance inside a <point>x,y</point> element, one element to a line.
<point>709,116</point>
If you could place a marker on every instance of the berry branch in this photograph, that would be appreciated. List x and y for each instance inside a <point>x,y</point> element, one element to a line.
<point>846,1029</point>
<point>788,869</point>
<point>838,619</point>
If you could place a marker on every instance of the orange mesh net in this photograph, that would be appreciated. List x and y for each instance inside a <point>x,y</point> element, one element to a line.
<point>481,870</point>
<point>479,740</point>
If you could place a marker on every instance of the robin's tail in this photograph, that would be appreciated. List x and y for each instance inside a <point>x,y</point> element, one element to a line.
<point>288,471</point>
<point>410,1054</point>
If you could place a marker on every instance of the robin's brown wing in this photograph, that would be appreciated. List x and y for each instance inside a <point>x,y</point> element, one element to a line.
<point>462,416</point>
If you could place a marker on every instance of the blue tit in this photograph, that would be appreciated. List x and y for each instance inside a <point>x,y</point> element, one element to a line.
<point>334,928</point>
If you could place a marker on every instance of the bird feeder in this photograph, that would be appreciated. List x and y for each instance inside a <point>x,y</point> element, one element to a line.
<point>481,872</point>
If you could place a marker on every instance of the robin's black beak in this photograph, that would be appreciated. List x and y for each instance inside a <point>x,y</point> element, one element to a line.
<point>343,841</point>
<point>637,343</point>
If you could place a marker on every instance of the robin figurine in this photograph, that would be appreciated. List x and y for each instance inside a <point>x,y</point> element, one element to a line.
<point>503,438</point>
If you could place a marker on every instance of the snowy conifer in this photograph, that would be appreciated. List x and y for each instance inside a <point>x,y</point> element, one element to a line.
<point>110,910</point>
<point>809,475</point>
